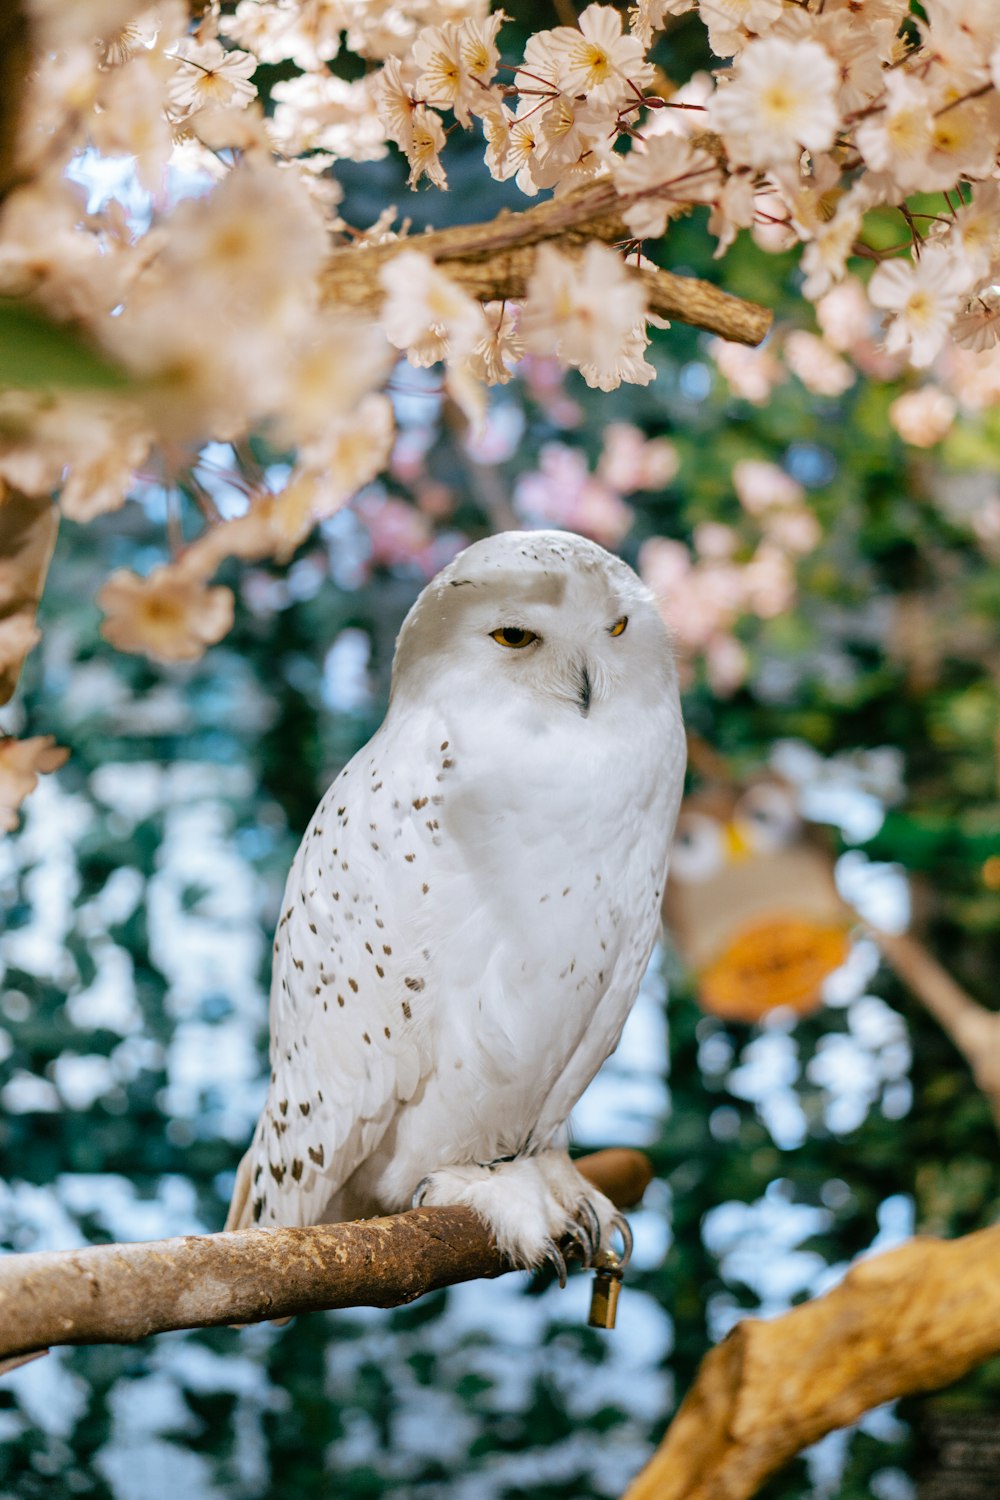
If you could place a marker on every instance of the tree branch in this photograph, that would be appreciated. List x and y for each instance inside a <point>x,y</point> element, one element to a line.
<point>15,60</point>
<point>28,527</point>
<point>113,1294</point>
<point>974,1029</point>
<point>494,260</point>
<point>911,1320</point>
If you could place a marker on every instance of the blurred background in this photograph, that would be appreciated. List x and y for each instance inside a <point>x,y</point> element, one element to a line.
<point>824,528</point>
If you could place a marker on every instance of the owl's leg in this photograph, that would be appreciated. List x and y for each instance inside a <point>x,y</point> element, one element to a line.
<point>531,1204</point>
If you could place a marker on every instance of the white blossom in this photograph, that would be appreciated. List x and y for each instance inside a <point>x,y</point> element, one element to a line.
<point>782,98</point>
<point>668,171</point>
<point>584,310</point>
<point>422,300</point>
<point>896,138</point>
<point>598,59</point>
<point>923,297</point>
<point>208,74</point>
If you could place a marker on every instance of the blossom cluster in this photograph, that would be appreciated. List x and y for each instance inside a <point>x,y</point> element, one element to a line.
<point>205,273</point>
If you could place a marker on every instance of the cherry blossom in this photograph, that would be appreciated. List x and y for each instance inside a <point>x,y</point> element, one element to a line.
<point>425,312</point>
<point>209,74</point>
<point>220,302</point>
<point>580,308</point>
<point>21,764</point>
<point>923,297</point>
<point>782,98</point>
<point>168,616</point>
<point>598,59</point>
<point>923,417</point>
<point>667,172</point>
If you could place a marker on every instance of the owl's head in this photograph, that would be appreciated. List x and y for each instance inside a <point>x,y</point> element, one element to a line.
<point>545,614</point>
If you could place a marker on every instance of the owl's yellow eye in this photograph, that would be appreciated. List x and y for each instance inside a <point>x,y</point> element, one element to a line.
<point>513,636</point>
<point>618,628</point>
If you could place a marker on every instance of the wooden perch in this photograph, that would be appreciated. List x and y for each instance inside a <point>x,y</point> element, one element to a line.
<point>113,1294</point>
<point>28,527</point>
<point>911,1320</point>
<point>494,260</point>
<point>974,1029</point>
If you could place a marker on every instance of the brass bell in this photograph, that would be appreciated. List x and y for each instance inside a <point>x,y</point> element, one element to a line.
<point>608,1277</point>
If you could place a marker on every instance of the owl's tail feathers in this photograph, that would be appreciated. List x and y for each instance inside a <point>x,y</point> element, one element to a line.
<point>238,1216</point>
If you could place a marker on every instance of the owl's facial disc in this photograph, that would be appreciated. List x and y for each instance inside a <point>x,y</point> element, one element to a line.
<point>542,618</point>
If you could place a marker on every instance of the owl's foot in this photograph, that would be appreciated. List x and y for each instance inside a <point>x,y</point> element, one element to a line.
<point>532,1204</point>
<point>593,1220</point>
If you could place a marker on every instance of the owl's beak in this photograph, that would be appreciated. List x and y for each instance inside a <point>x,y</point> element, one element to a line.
<point>584,690</point>
<point>737,848</point>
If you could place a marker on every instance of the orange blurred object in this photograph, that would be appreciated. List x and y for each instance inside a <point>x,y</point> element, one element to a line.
<point>769,962</point>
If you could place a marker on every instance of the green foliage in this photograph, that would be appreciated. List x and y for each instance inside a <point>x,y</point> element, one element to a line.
<point>38,354</point>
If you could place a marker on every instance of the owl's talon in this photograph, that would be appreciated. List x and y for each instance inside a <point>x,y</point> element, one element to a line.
<point>621,1224</point>
<point>593,1225</point>
<point>420,1192</point>
<point>556,1260</point>
<point>579,1234</point>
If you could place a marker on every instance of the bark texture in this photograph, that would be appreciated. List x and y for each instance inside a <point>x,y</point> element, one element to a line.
<point>911,1320</point>
<point>494,260</point>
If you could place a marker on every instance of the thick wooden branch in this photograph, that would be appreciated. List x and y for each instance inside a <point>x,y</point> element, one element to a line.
<point>974,1029</point>
<point>911,1320</point>
<point>15,59</point>
<point>494,260</point>
<point>113,1294</point>
<point>28,527</point>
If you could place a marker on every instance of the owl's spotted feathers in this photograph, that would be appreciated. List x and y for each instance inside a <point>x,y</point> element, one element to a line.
<point>473,905</point>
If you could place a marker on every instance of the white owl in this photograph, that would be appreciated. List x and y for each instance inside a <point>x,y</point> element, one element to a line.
<point>472,907</point>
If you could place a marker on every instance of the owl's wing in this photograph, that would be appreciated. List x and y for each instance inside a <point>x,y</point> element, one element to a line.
<point>349,1028</point>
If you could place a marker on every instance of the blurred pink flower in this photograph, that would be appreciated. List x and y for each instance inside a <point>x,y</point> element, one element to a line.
<point>761,485</point>
<point>714,540</point>
<point>406,462</point>
<point>663,564</point>
<point>398,532</point>
<point>544,378</point>
<point>974,379</point>
<point>434,499</point>
<point>750,373</point>
<point>770,582</point>
<point>631,462</point>
<point>795,529</point>
<point>923,417</point>
<point>818,367</point>
<point>562,492</point>
<point>845,315</point>
<point>726,664</point>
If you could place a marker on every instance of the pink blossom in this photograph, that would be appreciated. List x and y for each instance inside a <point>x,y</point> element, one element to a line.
<point>817,365</point>
<point>714,541</point>
<point>761,485</point>
<point>844,315</point>
<point>794,529</point>
<point>750,373</point>
<point>726,664</point>
<point>770,583</point>
<point>562,492</point>
<point>399,534</point>
<point>923,417</point>
<point>631,462</point>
